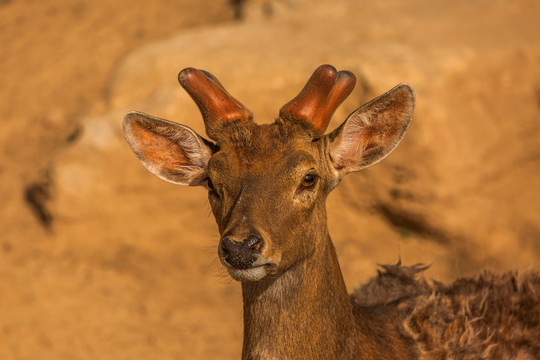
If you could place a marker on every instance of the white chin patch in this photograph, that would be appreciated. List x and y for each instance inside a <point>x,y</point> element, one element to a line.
<point>253,274</point>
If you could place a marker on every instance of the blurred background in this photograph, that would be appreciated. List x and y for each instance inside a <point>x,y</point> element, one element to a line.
<point>101,259</point>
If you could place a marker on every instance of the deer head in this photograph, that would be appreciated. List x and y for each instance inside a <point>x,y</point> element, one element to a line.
<point>267,184</point>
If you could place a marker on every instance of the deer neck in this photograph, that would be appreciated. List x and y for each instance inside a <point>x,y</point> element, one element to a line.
<point>303,313</point>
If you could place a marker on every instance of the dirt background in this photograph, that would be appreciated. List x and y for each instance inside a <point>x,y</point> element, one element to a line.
<point>100,259</point>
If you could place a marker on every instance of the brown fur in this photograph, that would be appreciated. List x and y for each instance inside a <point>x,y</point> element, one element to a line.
<point>490,316</point>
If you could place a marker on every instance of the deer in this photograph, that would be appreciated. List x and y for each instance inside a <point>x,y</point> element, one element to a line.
<point>267,188</point>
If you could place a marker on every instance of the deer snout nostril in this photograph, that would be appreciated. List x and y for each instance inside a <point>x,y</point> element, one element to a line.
<point>254,243</point>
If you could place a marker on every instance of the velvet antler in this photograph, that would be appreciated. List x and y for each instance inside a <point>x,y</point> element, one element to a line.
<point>217,106</point>
<point>323,93</point>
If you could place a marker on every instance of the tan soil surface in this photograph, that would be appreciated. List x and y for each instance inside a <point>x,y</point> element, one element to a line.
<point>101,260</point>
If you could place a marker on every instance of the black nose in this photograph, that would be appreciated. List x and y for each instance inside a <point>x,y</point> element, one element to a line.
<point>241,254</point>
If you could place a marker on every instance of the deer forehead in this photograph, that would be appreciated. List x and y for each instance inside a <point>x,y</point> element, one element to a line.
<point>264,152</point>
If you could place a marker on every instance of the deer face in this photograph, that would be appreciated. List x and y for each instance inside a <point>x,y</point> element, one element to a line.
<point>265,191</point>
<point>267,184</point>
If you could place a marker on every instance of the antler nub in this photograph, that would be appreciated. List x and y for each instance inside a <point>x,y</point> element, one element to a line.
<point>217,106</point>
<point>320,97</point>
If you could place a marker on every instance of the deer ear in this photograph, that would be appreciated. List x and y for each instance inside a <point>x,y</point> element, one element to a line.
<point>169,150</point>
<point>371,133</point>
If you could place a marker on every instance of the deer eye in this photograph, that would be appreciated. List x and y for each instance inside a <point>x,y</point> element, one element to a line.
<point>309,181</point>
<point>211,188</point>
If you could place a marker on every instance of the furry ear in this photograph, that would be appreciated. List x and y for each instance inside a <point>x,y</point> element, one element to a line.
<point>169,150</point>
<point>371,133</point>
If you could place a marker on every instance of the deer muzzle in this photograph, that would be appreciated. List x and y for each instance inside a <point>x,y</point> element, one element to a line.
<point>241,254</point>
<point>243,259</point>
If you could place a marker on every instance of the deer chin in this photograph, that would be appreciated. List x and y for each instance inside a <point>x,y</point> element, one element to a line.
<point>255,273</point>
<point>258,271</point>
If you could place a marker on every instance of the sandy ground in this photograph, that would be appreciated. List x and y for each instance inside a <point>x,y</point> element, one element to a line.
<point>100,259</point>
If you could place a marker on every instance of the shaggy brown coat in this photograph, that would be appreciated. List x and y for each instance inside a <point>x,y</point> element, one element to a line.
<point>490,316</point>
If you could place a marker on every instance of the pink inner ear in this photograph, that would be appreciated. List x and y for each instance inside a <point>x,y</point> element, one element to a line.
<point>354,145</point>
<point>159,151</point>
<point>372,134</point>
